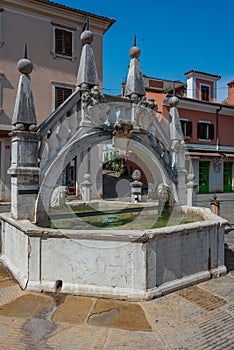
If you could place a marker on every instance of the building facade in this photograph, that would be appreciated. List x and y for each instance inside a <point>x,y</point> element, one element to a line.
<point>207,127</point>
<point>52,34</point>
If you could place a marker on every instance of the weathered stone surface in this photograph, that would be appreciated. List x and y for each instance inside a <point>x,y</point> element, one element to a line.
<point>87,72</point>
<point>115,263</point>
<point>28,305</point>
<point>135,81</point>
<point>24,111</point>
<point>119,314</point>
<point>74,310</point>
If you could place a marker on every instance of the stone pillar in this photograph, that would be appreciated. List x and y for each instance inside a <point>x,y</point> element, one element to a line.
<point>178,148</point>
<point>215,205</point>
<point>191,191</point>
<point>136,187</point>
<point>136,190</point>
<point>24,174</point>
<point>86,189</point>
<point>181,173</point>
<point>24,168</point>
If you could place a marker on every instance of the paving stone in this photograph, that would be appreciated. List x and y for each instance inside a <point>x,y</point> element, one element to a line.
<point>27,306</point>
<point>120,339</point>
<point>75,309</point>
<point>9,293</point>
<point>119,314</point>
<point>4,274</point>
<point>230,308</point>
<point>202,298</point>
<point>79,338</point>
<point>216,332</point>
<point>10,333</point>
<point>171,308</point>
<point>222,286</point>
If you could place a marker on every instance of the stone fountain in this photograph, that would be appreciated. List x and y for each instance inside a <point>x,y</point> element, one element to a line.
<point>131,264</point>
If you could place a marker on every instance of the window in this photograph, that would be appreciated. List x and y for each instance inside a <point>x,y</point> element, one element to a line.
<point>205,131</point>
<point>60,95</point>
<point>186,127</point>
<point>63,42</point>
<point>205,92</point>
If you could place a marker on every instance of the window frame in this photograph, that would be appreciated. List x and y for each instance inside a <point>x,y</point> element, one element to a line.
<point>209,130</point>
<point>186,123</point>
<point>209,89</point>
<point>61,55</point>
<point>62,86</point>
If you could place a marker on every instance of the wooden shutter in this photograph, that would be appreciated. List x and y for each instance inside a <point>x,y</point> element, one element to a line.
<point>58,41</point>
<point>189,129</point>
<point>200,130</point>
<point>68,43</point>
<point>211,131</point>
<point>63,42</point>
<point>61,94</point>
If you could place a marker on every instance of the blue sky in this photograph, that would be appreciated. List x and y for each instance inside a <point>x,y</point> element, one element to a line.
<point>174,37</point>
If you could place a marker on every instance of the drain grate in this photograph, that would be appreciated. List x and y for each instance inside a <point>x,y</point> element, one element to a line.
<point>202,298</point>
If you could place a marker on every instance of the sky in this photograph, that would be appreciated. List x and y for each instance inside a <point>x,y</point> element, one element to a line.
<point>174,37</point>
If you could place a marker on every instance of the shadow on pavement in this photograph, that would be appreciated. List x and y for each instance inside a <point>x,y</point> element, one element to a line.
<point>229,258</point>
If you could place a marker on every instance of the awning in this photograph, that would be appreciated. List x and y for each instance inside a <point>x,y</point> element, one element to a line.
<point>203,154</point>
<point>210,155</point>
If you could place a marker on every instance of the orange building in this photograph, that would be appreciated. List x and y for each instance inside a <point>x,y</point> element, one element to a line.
<point>207,126</point>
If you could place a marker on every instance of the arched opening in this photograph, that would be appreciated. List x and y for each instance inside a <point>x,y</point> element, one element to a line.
<point>88,151</point>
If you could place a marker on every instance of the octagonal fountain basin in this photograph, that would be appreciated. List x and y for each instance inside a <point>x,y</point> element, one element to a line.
<point>118,215</point>
<point>119,262</point>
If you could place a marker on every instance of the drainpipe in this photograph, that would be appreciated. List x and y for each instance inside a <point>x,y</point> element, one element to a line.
<point>217,126</point>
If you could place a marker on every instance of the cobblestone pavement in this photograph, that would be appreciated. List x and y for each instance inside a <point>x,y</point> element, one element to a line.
<point>197,317</point>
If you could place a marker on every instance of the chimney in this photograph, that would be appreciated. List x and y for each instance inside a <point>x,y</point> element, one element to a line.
<point>231,92</point>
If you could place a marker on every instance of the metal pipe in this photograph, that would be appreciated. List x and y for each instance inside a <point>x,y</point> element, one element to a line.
<point>217,126</point>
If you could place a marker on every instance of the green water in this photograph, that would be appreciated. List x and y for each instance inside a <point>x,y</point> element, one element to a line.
<point>145,219</point>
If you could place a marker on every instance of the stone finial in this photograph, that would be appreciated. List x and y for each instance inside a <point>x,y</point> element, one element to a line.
<point>135,86</point>
<point>174,125</point>
<point>173,101</point>
<point>24,116</point>
<point>87,76</point>
<point>24,65</point>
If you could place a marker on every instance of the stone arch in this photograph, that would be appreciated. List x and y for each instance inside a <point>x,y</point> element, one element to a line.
<point>96,136</point>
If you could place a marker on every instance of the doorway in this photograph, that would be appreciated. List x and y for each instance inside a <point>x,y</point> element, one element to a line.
<point>204,172</point>
<point>69,176</point>
<point>227,176</point>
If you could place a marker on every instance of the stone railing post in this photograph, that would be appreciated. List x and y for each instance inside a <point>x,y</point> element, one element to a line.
<point>136,187</point>
<point>191,191</point>
<point>86,189</point>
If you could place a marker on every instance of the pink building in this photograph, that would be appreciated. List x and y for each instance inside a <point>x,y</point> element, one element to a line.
<point>206,124</point>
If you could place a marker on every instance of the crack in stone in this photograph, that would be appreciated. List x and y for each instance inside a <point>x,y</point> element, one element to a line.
<point>104,318</point>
